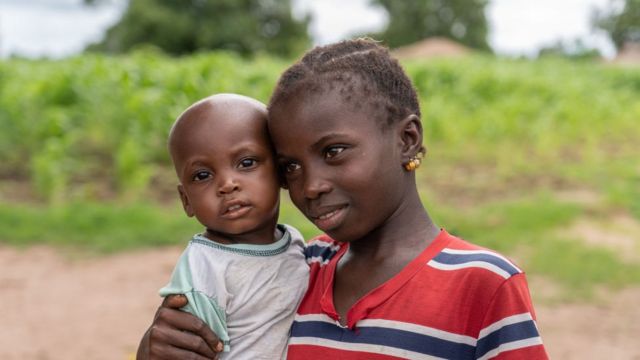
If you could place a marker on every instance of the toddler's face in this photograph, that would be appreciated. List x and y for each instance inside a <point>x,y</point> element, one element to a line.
<point>227,172</point>
<point>342,170</point>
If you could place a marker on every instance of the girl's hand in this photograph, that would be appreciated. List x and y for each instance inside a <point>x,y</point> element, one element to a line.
<point>175,334</point>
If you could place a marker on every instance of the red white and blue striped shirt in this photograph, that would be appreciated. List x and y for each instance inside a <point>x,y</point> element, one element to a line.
<point>454,301</point>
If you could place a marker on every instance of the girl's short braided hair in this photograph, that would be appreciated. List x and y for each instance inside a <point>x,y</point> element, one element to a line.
<point>362,70</point>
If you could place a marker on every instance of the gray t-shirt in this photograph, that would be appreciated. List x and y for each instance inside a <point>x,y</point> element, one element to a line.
<point>247,294</point>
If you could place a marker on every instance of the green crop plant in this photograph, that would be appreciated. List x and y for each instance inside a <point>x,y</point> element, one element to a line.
<point>516,120</point>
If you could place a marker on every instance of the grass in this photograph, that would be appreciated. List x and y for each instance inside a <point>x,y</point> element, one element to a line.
<point>96,227</point>
<point>109,227</point>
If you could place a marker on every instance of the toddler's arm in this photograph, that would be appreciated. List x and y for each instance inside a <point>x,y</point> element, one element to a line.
<point>175,334</point>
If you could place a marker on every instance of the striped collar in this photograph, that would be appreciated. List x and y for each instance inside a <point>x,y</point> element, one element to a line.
<point>272,249</point>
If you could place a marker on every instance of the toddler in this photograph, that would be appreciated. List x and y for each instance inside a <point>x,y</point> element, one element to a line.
<point>244,275</point>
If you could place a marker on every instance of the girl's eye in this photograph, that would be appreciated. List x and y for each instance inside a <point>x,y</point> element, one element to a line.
<point>201,175</point>
<point>247,163</point>
<point>333,151</point>
<point>291,167</point>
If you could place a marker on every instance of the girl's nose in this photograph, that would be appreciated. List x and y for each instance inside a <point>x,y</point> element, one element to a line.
<point>315,186</point>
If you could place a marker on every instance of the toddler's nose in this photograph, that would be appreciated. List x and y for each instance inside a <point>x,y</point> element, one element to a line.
<point>227,186</point>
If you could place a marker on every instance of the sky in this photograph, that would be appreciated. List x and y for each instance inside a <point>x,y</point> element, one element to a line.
<point>59,28</point>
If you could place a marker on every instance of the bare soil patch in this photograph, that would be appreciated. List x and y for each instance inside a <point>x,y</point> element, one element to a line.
<point>60,307</point>
<point>54,307</point>
<point>619,233</point>
<point>608,329</point>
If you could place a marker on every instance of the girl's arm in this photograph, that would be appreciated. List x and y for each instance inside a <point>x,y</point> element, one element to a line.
<point>175,334</point>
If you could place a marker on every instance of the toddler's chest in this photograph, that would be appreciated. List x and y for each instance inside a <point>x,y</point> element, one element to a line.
<point>259,287</point>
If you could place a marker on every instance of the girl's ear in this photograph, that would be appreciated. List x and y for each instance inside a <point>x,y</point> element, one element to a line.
<point>186,205</point>
<point>410,129</point>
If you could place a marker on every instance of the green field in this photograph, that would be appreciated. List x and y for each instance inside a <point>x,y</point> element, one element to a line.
<point>83,163</point>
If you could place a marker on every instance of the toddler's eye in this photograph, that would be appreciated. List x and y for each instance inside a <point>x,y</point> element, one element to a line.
<point>247,163</point>
<point>201,175</point>
<point>332,151</point>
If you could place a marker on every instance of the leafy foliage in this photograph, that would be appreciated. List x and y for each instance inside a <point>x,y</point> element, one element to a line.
<point>622,23</point>
<point>79,125</point>
<point>95,127</point>
<point>410,21</point>
<point>182,27</point>
<point>575,50</point>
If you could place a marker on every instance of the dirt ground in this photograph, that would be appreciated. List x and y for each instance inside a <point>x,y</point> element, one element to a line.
<point>69,307</point>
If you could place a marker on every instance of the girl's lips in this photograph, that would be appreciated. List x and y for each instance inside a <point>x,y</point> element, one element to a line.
<point>331,219</point>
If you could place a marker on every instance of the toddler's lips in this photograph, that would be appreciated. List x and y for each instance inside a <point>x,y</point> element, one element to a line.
<point>236,209</point>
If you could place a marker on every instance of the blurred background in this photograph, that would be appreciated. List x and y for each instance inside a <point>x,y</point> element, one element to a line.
<point>531,112</point>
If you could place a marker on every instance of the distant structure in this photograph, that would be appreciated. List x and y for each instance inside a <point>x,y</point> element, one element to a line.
<point>433,47</point>
<point>629,54</point>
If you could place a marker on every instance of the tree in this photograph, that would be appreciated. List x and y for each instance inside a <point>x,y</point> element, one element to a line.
<point>575,49</point>
<point>186,26</point>
<point>411,21</point>
<point>621,21</point>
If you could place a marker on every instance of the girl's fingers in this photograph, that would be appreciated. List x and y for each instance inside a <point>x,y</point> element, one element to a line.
<point>175,301</point>
<point>167,343</point>
<point>182,321</point>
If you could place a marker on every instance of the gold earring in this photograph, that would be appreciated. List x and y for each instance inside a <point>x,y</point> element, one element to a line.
<point>415,161</point>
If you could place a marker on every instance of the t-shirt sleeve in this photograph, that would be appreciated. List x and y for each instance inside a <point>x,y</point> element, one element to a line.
<point>208,311</point>
<point>206,308</point>
<point>509,329</point>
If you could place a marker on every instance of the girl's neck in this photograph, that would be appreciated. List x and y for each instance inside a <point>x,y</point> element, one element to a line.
<point>408,229</point>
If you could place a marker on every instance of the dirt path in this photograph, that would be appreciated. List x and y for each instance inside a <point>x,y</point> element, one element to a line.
<point>608,330</point>
<point>55,308</point>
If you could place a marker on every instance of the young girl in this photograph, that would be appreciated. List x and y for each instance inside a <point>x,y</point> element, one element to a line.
<point>385,281</point>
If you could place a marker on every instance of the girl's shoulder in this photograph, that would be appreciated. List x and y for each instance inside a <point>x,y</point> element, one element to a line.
<point>461,254</point>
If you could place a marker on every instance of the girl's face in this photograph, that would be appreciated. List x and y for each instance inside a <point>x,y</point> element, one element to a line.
<point>343,171</point>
